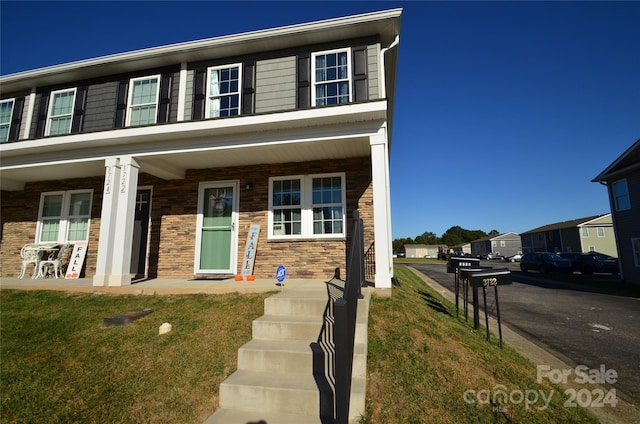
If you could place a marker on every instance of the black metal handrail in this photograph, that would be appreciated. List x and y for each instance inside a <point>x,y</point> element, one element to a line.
<point>345,310</point>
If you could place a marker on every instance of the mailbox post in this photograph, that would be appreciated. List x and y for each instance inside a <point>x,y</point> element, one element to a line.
<point>464,276</point>
<point>453,265</point>
<point>484,279</point>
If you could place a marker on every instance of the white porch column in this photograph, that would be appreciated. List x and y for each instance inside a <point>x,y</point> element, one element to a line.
<point>125,215</point>
<point>107,222</point>
<point>381,208</point>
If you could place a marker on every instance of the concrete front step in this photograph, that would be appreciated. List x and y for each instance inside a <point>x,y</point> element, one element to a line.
<point>234,416</point>
<point>269,392</point>
<point>278,356</point>
<point>294,305</point>
<point>286,327</point>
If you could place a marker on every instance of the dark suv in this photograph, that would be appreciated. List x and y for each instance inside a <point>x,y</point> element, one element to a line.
<point>588,263</point>
<point>545,262</point>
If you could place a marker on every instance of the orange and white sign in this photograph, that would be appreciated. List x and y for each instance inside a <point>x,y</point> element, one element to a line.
<point>77,260</point>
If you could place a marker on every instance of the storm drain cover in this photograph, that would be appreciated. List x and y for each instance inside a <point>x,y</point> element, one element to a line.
<point>126,317</point>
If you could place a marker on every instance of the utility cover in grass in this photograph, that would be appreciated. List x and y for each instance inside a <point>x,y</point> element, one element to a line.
<point>126,317</point>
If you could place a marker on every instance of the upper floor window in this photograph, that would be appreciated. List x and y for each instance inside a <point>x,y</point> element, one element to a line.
<point>143,100</point>
<point>60,114</point>
<point>600,231</point>
<point>585,232</point>
<point>621,195</point>
<point>307,206</point>
<point>331,77</point>
<point>6,112</point>
<point>223,91</point>
<point>64,216</point>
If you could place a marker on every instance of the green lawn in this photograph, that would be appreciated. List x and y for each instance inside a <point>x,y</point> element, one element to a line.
<point>59,364</point>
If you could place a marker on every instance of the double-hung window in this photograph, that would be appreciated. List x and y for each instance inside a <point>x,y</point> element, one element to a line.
<point>307,206</point>
<point>223,90</point>
<point>64,216</point>
<point>60,114</point>
<point>331,77</point>
<point>143,100</point>
<point>6,112</point>
<point>621,195</point>
<point>585,232</point>
<point>600,231</point>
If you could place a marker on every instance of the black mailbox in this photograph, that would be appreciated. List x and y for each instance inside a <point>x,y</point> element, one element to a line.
<point>456,262</point>
<point>489,278</point>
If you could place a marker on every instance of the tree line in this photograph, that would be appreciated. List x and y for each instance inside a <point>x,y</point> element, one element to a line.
<point>452,237</point>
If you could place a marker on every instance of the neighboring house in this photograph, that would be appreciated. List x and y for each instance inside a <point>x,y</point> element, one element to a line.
<point>622,179</point>
<point>461,248</point>
<point>506,244</point>
<point>422,250</point>
<point>162,159</point>
<point>590,234</point>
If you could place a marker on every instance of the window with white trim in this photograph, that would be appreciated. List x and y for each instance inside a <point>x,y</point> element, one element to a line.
<point>60,114</point>
<point>592,248</point>
<point>307,206</point>
<point>621,195</point>
<point>600,231</point>
<point>585,232</point>
<point>223,90</point>
<point>6,112</point>
<point>143,100</point>
<point>64,216</point>
<point>503,243</point>
<point>331,77</point>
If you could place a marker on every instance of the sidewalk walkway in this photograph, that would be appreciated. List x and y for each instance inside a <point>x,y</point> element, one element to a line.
<point>158,286</point>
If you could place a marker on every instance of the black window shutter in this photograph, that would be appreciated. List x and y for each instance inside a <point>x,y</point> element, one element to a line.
<point>16,119</point>
<point>164,103</point>
<point>304,80</point>
<point>199,92</point>
<point>248,87</point>
<point>121,104</point>
<point>360,86</point>
<point>42,114</point>
<point>78,109</point>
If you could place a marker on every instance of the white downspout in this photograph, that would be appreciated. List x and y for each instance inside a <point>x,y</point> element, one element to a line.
<point>383,95</point>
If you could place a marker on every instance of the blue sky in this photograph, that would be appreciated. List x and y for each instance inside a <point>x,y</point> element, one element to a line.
<point>505,111</point>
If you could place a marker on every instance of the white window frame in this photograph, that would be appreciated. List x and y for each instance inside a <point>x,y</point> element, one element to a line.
<point>306,207</point>
<point>503,243</point>
<point>8,124</point>
<point>592,248</point>
<point>64,217</point>
<point>230,94</point>
<point>600,231</point>
<point>584,232</point>
<point>315,83</point>
<point>50,116</point>
<point>130,106</point>
<point>624,195</point>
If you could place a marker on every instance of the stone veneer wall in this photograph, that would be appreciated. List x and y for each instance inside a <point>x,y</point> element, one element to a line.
<point>173,220</point>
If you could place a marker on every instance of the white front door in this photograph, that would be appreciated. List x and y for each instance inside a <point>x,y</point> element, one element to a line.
<point>217,235</point>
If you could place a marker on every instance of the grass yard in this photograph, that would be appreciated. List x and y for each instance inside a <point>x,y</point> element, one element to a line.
<point>422,361</point>
<point>59,364</point>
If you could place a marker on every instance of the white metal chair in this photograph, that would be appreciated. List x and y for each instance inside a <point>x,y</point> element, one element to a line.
<point>29,255</point>
<point>59,263</point>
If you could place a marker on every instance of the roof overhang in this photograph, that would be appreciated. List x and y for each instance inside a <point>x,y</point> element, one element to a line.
<point>168,151</point>
<point>384,24</point>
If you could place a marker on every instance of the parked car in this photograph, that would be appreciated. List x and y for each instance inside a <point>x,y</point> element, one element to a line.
<point>588,263</point>
<point>494,255</point>
<point>514,258</point>
<point>545,262</point>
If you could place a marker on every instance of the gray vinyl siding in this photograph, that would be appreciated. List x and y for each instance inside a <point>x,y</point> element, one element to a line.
<point>276,84</point>
<point>188,104</point>
<point>628,227</point>
<point>372,72</point>
<point>34,120</point>
<point>101,107</point>
<point>175,96</point>
<point>24,133</point>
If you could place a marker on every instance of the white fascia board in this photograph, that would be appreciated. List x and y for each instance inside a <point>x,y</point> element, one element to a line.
<point>360,112</point>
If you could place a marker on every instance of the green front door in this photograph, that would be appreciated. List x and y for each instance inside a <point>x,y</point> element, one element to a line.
<point>217,212</point>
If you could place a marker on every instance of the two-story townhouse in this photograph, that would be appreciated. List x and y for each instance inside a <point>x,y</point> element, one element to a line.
<point>164,159</point>
<point>590,234</point>
<point>505,244</point>
<point>622,179</point>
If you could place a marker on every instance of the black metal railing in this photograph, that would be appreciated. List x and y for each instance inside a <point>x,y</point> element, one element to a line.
<point>345,310</point>
<point>370,263</point>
